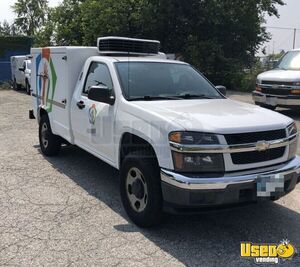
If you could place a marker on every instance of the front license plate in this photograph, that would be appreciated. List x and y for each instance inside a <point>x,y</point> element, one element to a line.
<point>271,101</point>
<point>269,186</point>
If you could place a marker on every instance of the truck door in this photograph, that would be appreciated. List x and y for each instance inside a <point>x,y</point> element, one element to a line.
<point>92,121</point>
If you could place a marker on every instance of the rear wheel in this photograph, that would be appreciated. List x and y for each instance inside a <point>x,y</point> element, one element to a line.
<point>50,143</point>
<point>140,187</point>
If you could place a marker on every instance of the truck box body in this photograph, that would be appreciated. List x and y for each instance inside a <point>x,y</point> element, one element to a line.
<point>55,71</point>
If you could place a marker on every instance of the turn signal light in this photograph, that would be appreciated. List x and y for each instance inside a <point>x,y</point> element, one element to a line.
<point>296,91</point>
<point>175,137</point>
<point>258,89</point>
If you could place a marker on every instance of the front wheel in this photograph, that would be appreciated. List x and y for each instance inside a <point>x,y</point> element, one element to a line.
<point>49,142</point>
<point>140,187</point>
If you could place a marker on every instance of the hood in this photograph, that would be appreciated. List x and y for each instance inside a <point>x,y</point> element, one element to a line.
<point>280,75</point>
<point>221,116</point>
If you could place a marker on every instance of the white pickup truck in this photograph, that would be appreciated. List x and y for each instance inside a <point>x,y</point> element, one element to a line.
<point>178,142</point>
<point>21,72</point>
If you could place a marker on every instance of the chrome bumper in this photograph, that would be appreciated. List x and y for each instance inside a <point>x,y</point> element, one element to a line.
<point>276,100</point>
<point>184,182</point>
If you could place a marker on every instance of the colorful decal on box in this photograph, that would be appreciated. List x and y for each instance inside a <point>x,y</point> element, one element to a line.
<point>45,80</point>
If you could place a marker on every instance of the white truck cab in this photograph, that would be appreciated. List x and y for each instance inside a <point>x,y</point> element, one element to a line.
<point>21,72</point>
<point>178,142</point>
<point>280,87</point>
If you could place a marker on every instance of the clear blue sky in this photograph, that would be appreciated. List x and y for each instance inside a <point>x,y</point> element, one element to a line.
<point>282,39</point>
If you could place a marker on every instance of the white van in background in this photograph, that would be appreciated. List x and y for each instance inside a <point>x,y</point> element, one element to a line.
<point>280,87</point>
<point>21,72</point>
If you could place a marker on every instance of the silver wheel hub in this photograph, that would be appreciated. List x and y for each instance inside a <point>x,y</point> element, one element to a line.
<point>44,138</point>
<point>137,191</point>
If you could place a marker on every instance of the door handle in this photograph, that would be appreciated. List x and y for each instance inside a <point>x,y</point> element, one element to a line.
<point>80,104</point>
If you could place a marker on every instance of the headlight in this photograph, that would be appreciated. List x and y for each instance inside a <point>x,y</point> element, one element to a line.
<point>193,138</point>
<point>193,162</point>
<point>206,163</point>
<point>292,130</point>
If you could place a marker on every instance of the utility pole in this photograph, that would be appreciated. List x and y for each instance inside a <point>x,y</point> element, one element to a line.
<point>294,43</point>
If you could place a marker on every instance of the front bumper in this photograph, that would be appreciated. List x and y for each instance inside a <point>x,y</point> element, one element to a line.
<point>276,100</point>
<point>183,191</point>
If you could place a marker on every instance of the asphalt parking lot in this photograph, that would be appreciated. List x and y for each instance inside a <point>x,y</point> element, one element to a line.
<point>66,211</point>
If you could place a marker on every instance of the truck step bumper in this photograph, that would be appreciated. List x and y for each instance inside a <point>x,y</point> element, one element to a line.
<point>182,191</point>
<point>276,100</point>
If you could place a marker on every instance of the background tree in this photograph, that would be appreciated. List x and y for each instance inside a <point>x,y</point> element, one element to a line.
<point>220,37</point>
<point>31,15</point>
<point>7,29</point>
<point>67,18</point>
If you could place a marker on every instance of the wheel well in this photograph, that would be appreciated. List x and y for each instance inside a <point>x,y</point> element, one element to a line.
<point>131,142</point>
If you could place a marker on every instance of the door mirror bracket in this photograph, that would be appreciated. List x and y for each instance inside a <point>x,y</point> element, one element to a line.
<point>222,89</point>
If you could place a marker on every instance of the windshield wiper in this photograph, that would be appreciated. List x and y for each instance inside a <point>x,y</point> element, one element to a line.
<point>188,96</point>
<point>150,98</point>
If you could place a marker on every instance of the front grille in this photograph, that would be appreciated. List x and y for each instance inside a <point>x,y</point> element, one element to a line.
<point>246,138</point>
<point>277,83</point>
<point>257,156</point>
<point>272,91</point>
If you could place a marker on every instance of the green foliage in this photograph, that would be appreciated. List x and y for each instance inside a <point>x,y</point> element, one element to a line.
<point>67,22</point>
<point>31,14</point>
<point>7,29</point>
<point>219,37</point>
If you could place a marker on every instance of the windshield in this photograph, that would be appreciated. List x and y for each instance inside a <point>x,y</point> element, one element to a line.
<point>290,61</point>
<point>157,80</point>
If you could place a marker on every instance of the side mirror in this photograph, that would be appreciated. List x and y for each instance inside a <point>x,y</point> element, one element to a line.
<point>101,94</point>
<point>221,89</point>
<point>21,69</point>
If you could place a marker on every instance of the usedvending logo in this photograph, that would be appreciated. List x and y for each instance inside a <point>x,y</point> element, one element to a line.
<point>268,253</point>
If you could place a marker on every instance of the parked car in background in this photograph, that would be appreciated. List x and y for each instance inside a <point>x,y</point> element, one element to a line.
<point>280,87</point>
<point>21,72</point>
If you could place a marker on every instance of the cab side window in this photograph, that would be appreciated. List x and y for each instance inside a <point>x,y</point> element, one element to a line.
<point>98,75</point>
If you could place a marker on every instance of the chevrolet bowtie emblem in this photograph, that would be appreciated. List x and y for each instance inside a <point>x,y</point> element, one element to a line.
<point>262,145</point>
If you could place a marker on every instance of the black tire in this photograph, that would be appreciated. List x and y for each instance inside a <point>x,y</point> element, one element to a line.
<point>50,144</point>
<point>27,86</point>
<point>152,213</point>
